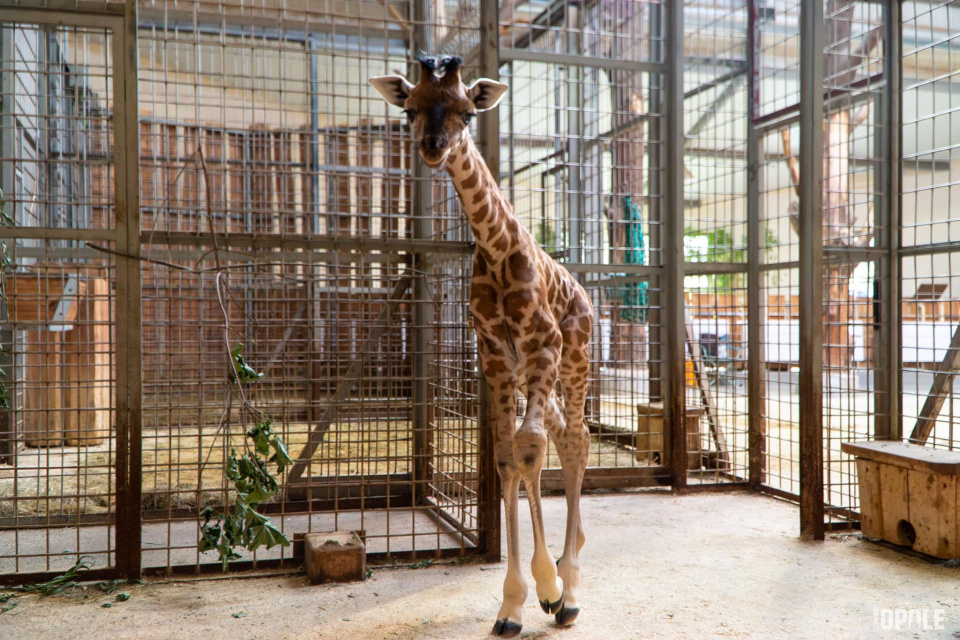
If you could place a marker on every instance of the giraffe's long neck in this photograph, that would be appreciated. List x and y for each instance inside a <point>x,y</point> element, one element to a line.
<point>488,212</point>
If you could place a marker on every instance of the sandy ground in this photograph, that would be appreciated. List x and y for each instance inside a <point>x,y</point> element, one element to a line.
<point>655,566</point>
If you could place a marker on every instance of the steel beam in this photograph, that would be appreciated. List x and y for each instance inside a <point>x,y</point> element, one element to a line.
<point>573,59</point>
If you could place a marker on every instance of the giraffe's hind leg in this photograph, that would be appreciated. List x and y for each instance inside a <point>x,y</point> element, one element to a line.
<point>573,446</point>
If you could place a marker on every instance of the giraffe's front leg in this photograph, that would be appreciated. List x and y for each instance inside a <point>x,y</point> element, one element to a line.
<point>530,451</point>
<point>499,368</point>
<point>510,617</point>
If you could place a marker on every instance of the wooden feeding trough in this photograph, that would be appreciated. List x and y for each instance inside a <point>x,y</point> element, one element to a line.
<point>64,315</point>
<point>908,495</point>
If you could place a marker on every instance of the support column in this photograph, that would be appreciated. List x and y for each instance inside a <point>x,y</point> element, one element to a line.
<point>756,369</point>
<point>887,309</point>
<point>422,229</point>
<point>672,293</point>
<point>488,136</point>
<point>575,200</point>
<point>128,300</point>
<point>9,443</point>
<point>811,270</point>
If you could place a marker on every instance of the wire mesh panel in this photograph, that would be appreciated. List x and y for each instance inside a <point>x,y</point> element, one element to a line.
<point>781,353</point>
<point>854,211</point>
<point>778,62</point>
<point>715,231</point>
<point>280,212</point>
<point>930,314</point>
<point>580,138</point>
<point>61,435</point>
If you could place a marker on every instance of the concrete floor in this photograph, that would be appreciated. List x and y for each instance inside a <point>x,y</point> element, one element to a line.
<point>655,566</point>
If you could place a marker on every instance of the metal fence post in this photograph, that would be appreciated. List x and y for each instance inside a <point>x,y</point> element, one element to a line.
<point>887,424</point>
<point>128,307</point>
<point>673,258</point>
<point>488,133</point>
<point>811,271</point>
<point>756,373</point>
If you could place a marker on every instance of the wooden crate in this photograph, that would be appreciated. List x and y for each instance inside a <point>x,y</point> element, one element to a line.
<point>908,495</point>
<point>649,438</point>
<point>66,344</point>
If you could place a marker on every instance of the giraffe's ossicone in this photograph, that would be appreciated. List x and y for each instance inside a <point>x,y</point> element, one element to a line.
<point>533,322</point>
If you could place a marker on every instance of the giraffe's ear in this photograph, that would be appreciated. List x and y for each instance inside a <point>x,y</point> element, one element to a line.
<point>485,93</point>
<point>394,89</point>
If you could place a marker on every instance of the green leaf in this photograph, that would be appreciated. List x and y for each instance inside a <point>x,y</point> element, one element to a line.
<point>241,370</point>
<point>241,614</point>
<point>280,456</point>
<point>123,597</point>
<point>260,434</point>
<point>267,535</point>
<point>58,584</point>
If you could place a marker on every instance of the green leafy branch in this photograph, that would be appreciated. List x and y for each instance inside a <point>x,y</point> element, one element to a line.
<point>253,482</point>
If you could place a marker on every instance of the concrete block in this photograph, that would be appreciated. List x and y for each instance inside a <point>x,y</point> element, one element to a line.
<point>335,556</point>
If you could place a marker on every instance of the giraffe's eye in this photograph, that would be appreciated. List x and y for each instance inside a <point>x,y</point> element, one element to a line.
<point>410,115</point>
<point>468,117</point>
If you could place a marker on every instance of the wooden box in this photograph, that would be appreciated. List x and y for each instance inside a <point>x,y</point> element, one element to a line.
<point>908,495</point>
<point>649,438</point>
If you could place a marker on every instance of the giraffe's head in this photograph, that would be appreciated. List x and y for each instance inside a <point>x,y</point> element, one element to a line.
<point>439,107</point>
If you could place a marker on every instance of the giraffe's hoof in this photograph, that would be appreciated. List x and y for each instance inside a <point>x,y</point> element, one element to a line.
<point>506,628</point>
<point>566,615</point>
<point>551,607</point>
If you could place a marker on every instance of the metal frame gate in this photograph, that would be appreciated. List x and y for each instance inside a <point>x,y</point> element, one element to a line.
<point>118,552</point>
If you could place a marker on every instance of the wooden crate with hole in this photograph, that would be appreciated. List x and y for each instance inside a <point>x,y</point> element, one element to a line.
<point>908,495</point>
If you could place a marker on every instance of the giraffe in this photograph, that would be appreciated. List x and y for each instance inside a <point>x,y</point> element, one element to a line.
<point>533,322</point>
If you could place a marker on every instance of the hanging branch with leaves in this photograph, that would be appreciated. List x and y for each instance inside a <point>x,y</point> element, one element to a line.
<point>249,473</point>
